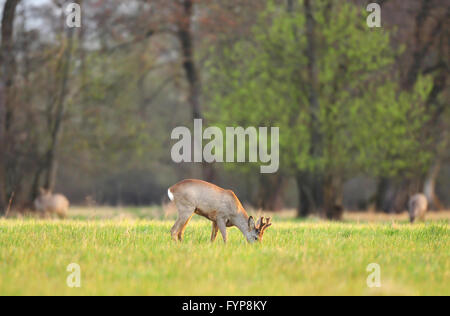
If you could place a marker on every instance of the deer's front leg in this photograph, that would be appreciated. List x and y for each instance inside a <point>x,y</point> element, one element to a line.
<point>223,229</point>
<point>215,230</point>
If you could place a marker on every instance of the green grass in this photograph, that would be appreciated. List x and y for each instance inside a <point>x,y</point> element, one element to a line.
<point>119,257</point>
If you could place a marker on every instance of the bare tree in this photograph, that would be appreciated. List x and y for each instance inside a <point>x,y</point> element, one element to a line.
<point>185,36</point>
<point>56,126</point>
<point>7,63</point>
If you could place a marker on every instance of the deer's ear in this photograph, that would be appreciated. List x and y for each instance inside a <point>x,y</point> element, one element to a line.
<point>251,223</point>
<point>259,222</point>
<point>42,191</point>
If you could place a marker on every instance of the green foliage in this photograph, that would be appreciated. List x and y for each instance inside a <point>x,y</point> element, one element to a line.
<point>364,122</point>
<point>394,145</point>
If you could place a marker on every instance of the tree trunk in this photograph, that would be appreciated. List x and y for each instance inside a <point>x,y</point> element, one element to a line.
<point>420,50</point>
<point>310,193</point>
<point>430,186</point>
<point>290,6</point>
<point>332,196</point>
<point>400,192</point>
<point>56,129</point>
<point>2,153</point>
<point>313,96</point>
<point>190,68</point>
<point>7,63</point>
<point>309,182</point>
<point>35,184</point>
<point>380,193</point>
<point>392,195</point>
<point>305,199</point>
<point>192,74</point>
<point>270,195</point>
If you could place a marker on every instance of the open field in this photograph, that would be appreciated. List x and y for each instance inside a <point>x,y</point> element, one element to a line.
<point>132,254</point>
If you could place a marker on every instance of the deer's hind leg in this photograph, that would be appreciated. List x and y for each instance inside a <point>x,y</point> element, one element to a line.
<point>215,230</point>
<point>184,215</point>
<point>183,227</point>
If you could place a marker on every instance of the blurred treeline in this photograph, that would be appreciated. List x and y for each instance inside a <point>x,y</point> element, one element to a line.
<point>363,112</point>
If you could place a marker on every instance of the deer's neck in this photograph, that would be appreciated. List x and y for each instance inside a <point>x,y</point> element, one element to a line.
<point>241,222</point>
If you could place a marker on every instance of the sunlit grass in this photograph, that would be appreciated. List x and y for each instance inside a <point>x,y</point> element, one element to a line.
<point>296,258</point>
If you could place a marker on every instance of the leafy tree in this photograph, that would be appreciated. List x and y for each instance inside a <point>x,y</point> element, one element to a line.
<point>362,122</point>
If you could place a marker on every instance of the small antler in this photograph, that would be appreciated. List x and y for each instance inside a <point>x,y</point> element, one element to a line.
<point>266,224</point>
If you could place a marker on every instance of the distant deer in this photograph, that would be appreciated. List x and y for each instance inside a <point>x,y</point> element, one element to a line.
<point>48,203</point>
<point>220,206</point>
<point>417,207</point>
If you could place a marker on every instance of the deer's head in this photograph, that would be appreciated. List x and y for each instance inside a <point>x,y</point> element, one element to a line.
<point>256,231</point>
<point>44,192</point>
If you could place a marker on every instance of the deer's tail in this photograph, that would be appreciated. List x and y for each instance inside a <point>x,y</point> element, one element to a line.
<point>170,194</point>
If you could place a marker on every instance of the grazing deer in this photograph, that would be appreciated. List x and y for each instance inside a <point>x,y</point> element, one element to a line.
<point>417,207</point>
<point>48,203</point>
<point>220,206</point>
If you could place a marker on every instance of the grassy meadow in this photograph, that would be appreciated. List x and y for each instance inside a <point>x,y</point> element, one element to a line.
<point>123,251</point>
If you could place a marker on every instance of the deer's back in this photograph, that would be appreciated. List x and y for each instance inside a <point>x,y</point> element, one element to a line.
<point>55,203</point>
<point>203,196</point>
<point>418,205</point>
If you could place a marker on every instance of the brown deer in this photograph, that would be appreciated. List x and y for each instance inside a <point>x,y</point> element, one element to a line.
<point>417,207</point>
<point>220,206</point>
<point>48,203</point>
